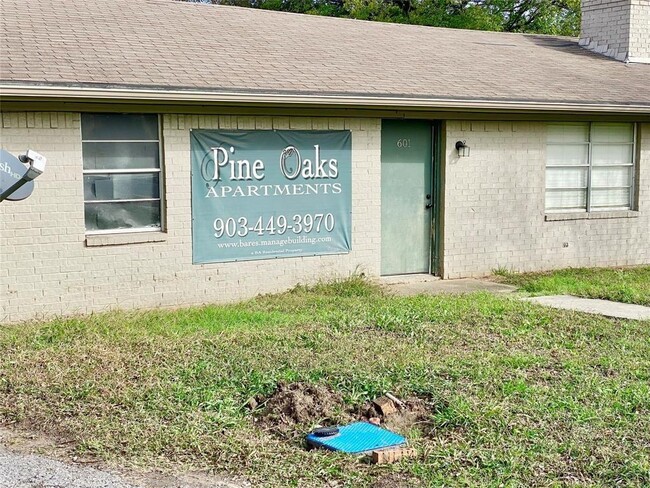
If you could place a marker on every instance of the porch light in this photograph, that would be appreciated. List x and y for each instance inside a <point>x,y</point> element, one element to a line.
<point>462,148</point>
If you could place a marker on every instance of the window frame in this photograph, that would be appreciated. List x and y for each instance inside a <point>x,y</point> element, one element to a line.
<point>633,168</point>
<point>127,171</point>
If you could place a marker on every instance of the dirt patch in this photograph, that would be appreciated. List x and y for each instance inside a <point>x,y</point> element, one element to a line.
<point>415,412</point>
<point>301,403</point>
<point>184,480</point>
<point>307,405</point>
<point>26,441</point>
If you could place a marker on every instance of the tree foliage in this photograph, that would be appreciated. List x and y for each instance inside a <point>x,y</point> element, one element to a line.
<point>558,17</point>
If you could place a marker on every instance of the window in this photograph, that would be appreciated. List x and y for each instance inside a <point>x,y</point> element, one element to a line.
<point>121,171</point>
<point>589,167</point>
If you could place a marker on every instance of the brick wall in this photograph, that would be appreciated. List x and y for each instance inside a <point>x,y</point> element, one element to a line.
<point>494,207</point>
<point>640,34</point>
<point>46,267</point>
<point>494,217</point>
<point>619,29</point>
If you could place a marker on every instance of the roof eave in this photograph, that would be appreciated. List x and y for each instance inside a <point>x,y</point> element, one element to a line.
<point>17,92</point>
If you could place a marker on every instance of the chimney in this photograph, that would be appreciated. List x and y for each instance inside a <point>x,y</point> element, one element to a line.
<point>619,29</point>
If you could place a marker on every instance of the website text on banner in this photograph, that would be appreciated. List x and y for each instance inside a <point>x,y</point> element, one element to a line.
<point>270,194</point>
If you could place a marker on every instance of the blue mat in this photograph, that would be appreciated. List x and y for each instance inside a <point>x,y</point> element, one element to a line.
<point>357,438</point>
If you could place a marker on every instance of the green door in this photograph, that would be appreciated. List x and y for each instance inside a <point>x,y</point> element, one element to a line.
<point>406,197</point>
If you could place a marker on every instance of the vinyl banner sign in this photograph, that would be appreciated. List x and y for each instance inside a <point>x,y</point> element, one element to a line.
<point>270,194</point>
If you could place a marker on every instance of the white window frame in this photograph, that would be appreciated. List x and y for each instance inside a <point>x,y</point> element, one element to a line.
<point>589,166</point>
<point>158,171</point>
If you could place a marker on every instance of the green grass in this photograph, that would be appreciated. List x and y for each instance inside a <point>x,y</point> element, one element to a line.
<point>628,285</point>
<point>524,395</point>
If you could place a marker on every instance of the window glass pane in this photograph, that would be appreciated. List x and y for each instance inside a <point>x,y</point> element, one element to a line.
<point>120,155</point>
<point>117,127</point>
<point>566,199</point>
<point>558,154</point>
<point>612,132</point>
<point>615,154</point>
<point>619,198</point>
<point>611,159</point>
<point>125,215</point>
<point>568,132</point>
<point>566,178</point>
<point>121,186</point>
<point>607,177</point>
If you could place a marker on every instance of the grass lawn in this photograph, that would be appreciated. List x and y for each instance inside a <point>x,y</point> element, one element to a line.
<point>519,395</point>
<point>629,285</point>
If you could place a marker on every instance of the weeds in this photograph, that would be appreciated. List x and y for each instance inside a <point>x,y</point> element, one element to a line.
<point>524,395</point>
<point>628,285</point>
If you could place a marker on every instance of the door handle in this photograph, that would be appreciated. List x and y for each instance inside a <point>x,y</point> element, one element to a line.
<point>429,205</point>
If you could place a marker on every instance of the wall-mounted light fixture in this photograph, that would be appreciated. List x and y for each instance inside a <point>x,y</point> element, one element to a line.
<point>462,148</point>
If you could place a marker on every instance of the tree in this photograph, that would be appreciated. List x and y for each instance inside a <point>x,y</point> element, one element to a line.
<point>557,17</point>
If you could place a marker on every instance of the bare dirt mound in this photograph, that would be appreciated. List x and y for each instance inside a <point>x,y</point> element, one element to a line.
<point>414,412</point>
<point>302,403</point>
<point>293,409</point>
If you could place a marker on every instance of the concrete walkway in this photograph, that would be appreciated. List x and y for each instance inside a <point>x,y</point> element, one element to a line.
<point>418,284</point>
<point>589,305</point>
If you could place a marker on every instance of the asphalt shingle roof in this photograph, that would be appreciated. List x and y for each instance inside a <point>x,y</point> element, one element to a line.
<point>165,45</point>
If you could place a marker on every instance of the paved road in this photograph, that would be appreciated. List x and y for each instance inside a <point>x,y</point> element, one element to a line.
<point>31,471</point>
<point>24,470</point>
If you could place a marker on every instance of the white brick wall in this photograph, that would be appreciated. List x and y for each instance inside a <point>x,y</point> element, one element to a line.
<point>494,217</point>
<point>619,29</point>
<point>494,207</point>
<point>46,268</point>
<point>640,34</point>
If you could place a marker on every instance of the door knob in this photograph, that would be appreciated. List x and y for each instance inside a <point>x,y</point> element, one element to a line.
<point>429,205</point>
